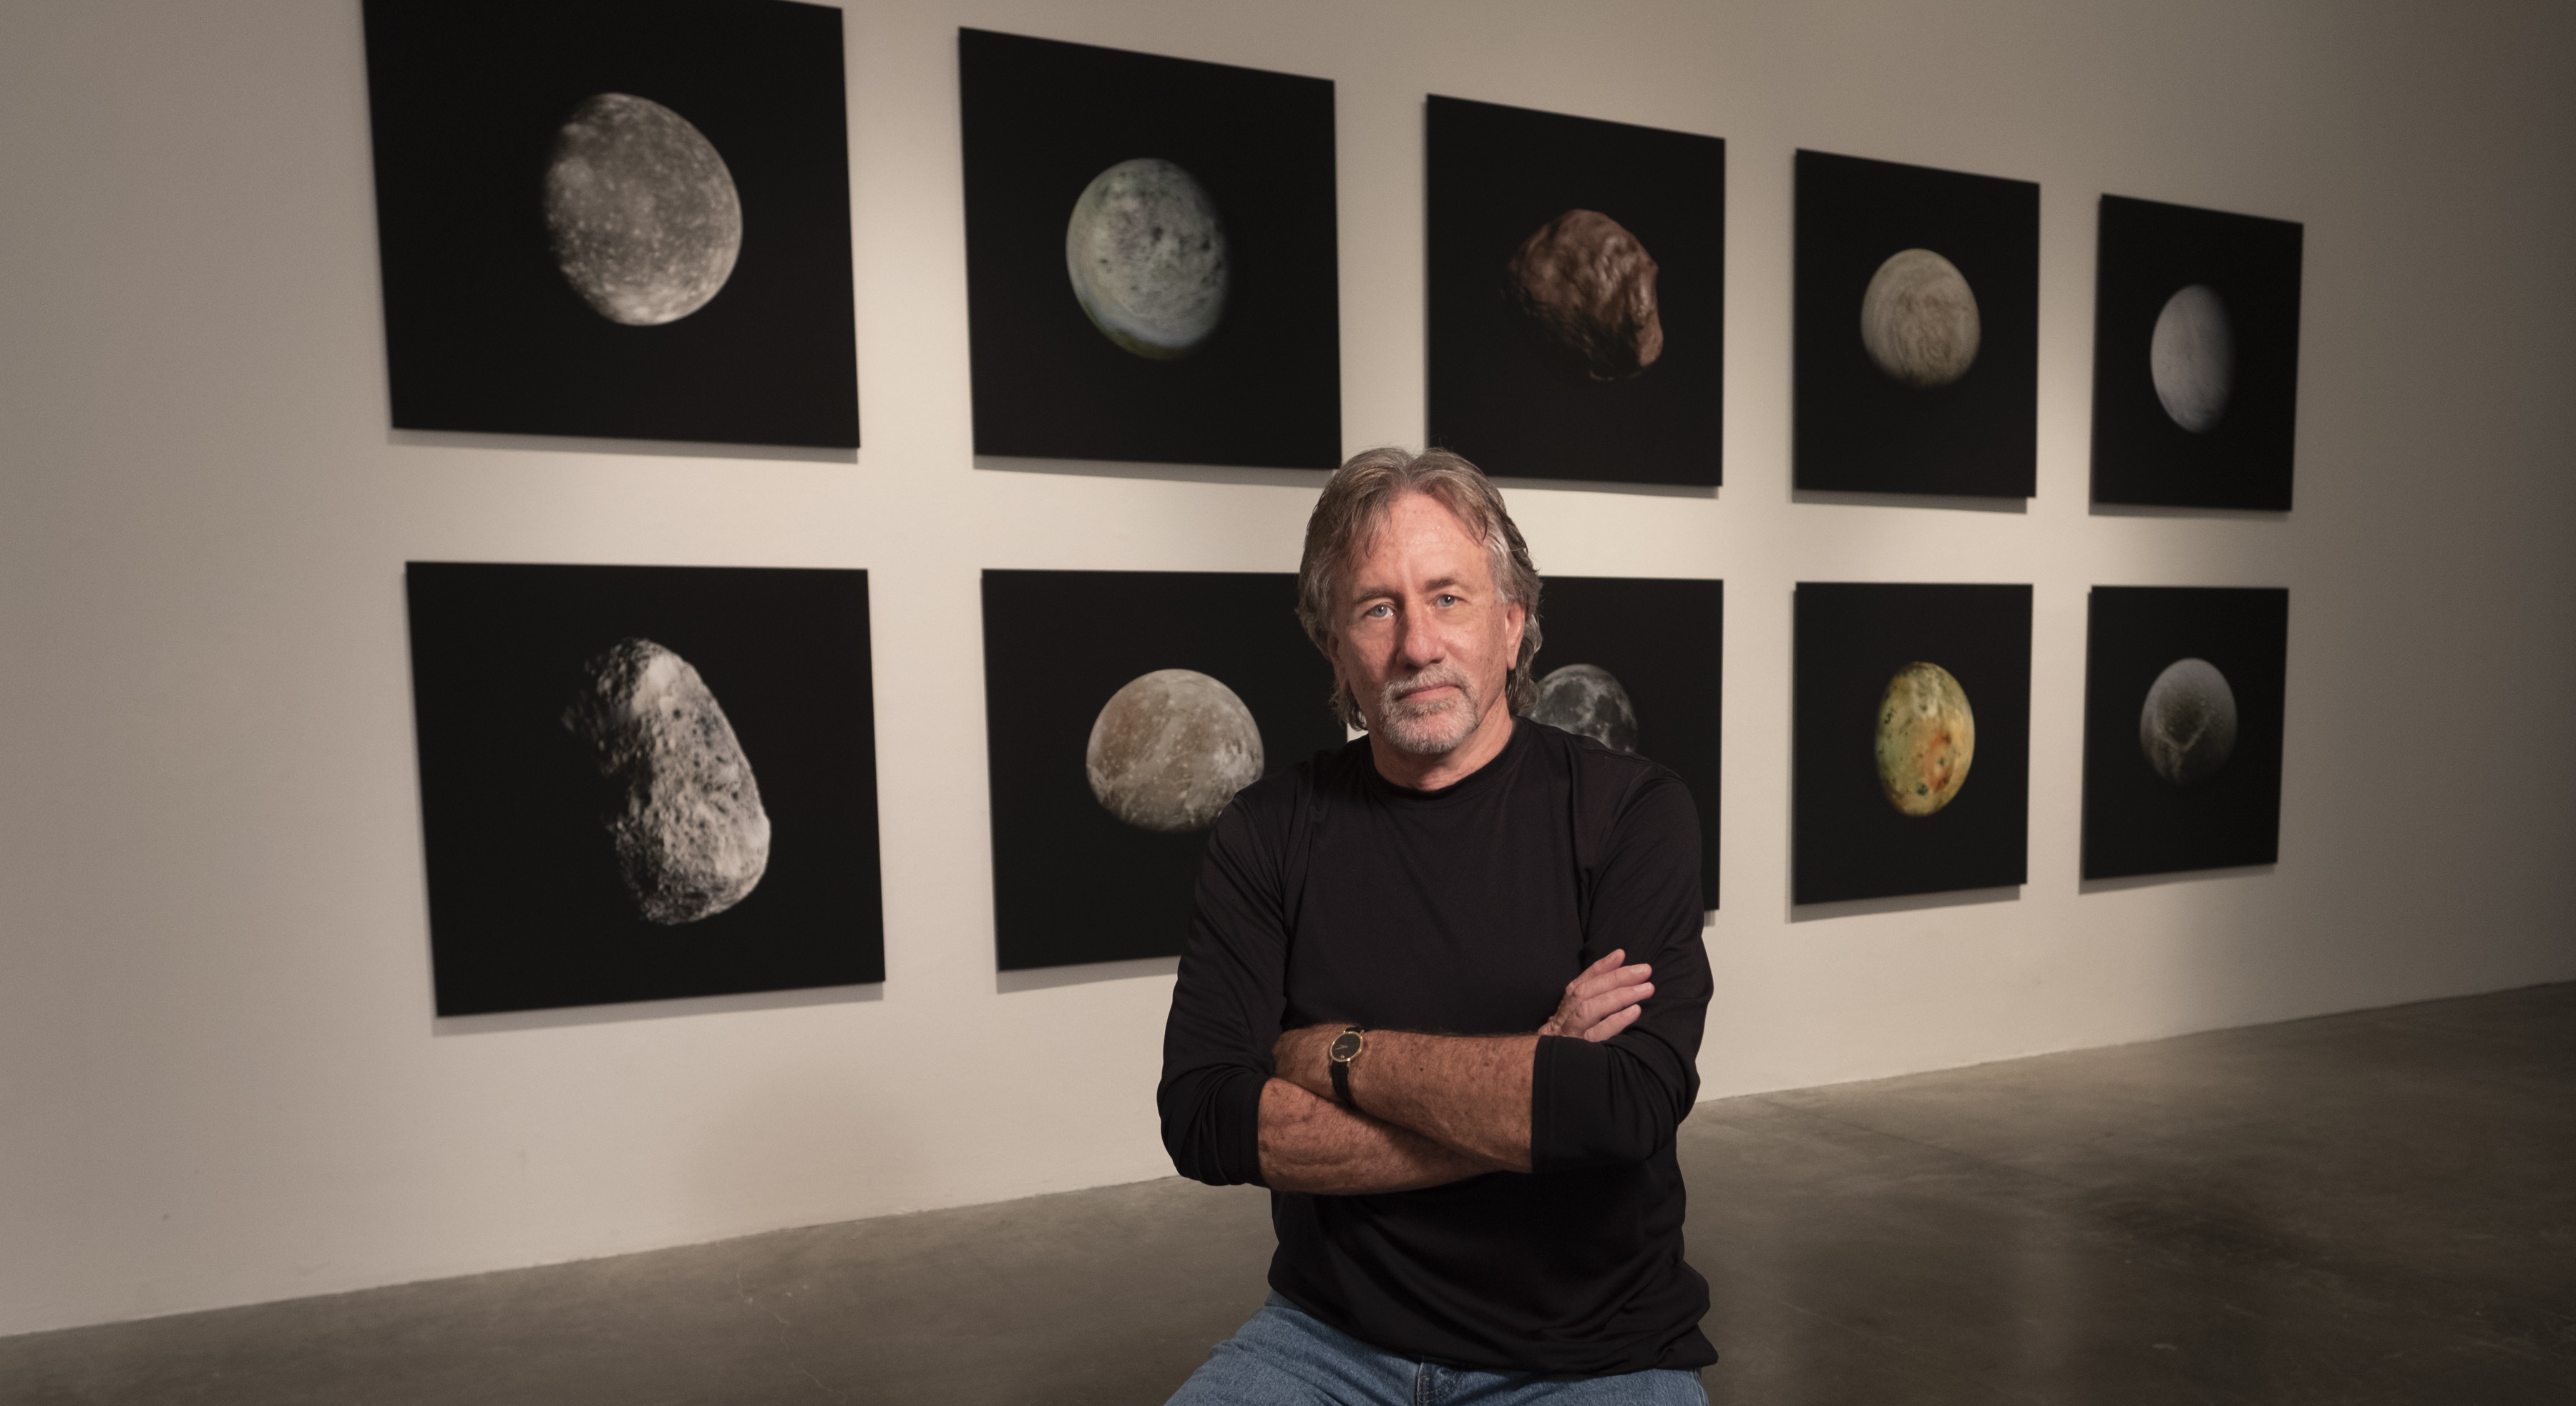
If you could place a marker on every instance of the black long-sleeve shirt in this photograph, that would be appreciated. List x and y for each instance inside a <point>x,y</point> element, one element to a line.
<point>1330,896</point>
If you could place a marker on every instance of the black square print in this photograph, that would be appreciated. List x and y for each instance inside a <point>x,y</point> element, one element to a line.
<point>2182,728</point>
<point>1638,663</point>
<point>1150,265</point>
<point>1911,756</point>
<point>643,782</point>
<point>2195,357</point>
<point>1112,749</point>
<point>1577,287</point>
<point>1917,330</point>
<point>625,220</point>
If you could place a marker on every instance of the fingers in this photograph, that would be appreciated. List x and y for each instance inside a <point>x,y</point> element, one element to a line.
<point>1609,1002</point>
<point>1596,981</point>
<point>1612,1024</point>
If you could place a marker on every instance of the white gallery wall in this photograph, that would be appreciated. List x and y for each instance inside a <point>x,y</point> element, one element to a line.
<point>220,1076</point>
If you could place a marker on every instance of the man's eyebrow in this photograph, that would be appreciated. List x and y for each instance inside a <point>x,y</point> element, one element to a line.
<point>1373,591</point>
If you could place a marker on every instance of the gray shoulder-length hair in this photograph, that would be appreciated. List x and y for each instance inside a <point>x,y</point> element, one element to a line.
<point>1355,503</point>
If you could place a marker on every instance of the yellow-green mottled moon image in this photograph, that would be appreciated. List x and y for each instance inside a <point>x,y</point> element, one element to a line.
<point>1926,739</point>
<point>1147,254</point>
<point>640,210</point>
<point>1170,749</point>
<point>1918,319</point>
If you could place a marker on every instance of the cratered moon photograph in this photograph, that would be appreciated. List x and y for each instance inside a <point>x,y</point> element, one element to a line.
<point>2188,727</point>
<point>1110,752</point>
<point>641,211</point>
<point>1927,738</point>
<point>1915,364</point>
<point>1637,664</point>
<point>615,221</point>
<point>1169,749</point>
<point>2195,357</point>
<point>1910,745</point>
<point>643,783</point>
<point>1576,294</point>
<point>1146,252</point>
<point>1918,318</point>
<point>1151,266</point>
<point>2183,710</point>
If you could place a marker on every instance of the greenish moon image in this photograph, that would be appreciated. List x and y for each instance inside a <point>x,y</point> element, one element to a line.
<point>1169,749</point>
<point>640,211</point>
<point>1918,319</point>
<point>1146,251</point>
<point>1588,701</point>
<point>2188,726</point>
<point>2193,358</point>
<point>1926,739</point>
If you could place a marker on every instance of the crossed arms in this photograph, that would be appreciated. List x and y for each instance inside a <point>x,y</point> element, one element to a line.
<point>1439,1108</point>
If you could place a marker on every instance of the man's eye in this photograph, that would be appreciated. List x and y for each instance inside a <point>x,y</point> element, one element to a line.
<point>1379,611</point>
<point>1448,600</point>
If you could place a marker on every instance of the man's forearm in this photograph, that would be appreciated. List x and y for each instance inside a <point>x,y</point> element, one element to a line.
<point>1312,1144</point>
<point>1468,1093</point>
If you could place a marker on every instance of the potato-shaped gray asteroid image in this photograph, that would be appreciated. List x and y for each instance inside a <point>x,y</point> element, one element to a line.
<point>1590,288</point>
<point>1918,319</point>
<point>1587,700</point>
<point>641,211</point>
<point>683,810</point>
<point>2188,727</point>
<point>1170,749</point>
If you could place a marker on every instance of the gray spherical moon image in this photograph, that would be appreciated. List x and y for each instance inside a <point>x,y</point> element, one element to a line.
<point>1170,749</point>
<point>2193,356</point>
<point>1587,700</point>
<point>683,811</point>
<point>1919,319</point>
<point>640,210</point>
<point>2188,726</point>
<point>1147,255</point>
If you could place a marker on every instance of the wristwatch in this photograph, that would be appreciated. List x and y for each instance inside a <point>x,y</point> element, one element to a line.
<point>1346,1047</point>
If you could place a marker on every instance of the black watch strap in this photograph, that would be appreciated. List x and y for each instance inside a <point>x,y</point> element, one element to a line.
<point>1341,1082</point>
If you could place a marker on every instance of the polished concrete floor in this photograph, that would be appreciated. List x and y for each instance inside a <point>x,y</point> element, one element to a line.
<point>2377,1207</point>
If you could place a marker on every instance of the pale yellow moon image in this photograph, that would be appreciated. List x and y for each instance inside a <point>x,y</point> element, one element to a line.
<point>1926,739</point>
<point>1919,321</point>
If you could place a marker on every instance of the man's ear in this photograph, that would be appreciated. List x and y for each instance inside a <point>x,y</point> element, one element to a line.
<point>1515,620</point>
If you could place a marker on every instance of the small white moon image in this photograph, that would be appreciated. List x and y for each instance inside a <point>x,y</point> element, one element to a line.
<point>2193,356</point>
<point>640,210</point>
<point>1588,701</point>
<point>1170,749</point>
<point>1147,255</point>
<point>2188,727</point>
<point>1919,319</point>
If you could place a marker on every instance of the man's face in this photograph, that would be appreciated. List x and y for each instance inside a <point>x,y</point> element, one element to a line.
<point>1419,637</point>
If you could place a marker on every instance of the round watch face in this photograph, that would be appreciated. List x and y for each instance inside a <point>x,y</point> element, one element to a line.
<point>1346,1045</point>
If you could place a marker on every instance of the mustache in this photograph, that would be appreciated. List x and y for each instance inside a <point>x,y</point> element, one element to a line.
<point>1390,696</point>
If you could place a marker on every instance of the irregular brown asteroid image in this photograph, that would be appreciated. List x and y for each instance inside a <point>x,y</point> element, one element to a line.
<point>1589,286</point>
<point>683,809</point>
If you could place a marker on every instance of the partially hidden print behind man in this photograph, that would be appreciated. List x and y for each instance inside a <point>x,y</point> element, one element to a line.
<point>1443,995</point>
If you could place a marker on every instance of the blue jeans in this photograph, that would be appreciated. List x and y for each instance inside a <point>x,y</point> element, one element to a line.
<point>1286,1357</point>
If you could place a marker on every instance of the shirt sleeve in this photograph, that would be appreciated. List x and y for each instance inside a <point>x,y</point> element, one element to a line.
<point>1618,1101</point>
<point>1228,1003</point>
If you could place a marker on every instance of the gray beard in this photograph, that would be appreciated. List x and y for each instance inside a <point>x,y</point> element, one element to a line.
<point>1434,729</point>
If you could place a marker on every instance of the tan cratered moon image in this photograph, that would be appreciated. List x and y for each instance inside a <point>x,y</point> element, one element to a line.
<point>1919,319</point>
<point>1926,739</point>
<point>1170,749</point>
<point>641,211</point>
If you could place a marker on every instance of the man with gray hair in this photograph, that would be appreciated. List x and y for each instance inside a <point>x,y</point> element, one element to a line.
<point>1409,1006</point>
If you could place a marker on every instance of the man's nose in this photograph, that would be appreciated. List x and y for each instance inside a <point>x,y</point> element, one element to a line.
<point>1419,641</point>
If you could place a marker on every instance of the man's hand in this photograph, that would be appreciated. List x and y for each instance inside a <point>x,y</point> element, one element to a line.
<point>1603,1001</point>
